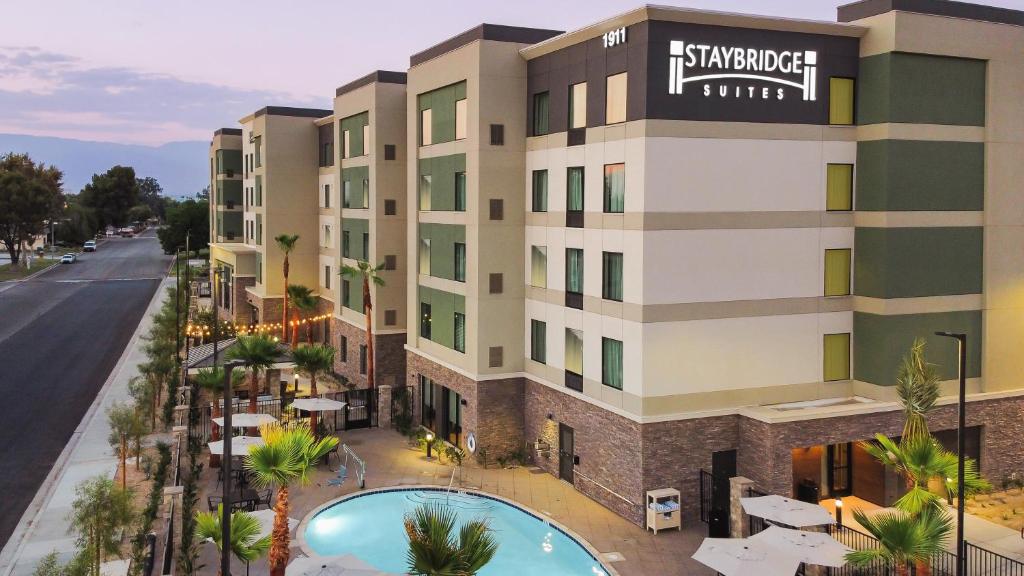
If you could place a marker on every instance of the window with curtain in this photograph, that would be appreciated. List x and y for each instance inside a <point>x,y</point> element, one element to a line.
<point>611,274</point>
<point>460,191</point>
<point>460,332</point>
<point>574,351</point>
<point>615,99</point>
<point>366,246</point>
<point>837,272</point>
<point>540,114</point>
<point>539,266</point>
<point>425,181</point>
<point>425,256</point>
<point>614,188</point>
<point>346,152</point>
<point>346,244</point>
<point>425,320</point>
<point>578,105</point>
<point>611,363</point>
<point>836,357</point>
<point>366,139</point>
<point>540,190</point>
<point>327,236</point>
<point>840,101</point>
<point>574,189</point>
<point>366,193</point>
<point>574,270</point>
<point>327,195</point>
<point>460,262</point>
<point>346,194</point>
<point>839,187</point>
<point>538,341</point>
<point>460,119</point>
<point>426,132</point>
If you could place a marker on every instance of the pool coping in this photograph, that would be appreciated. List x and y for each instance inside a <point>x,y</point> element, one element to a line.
<point>300,531</point>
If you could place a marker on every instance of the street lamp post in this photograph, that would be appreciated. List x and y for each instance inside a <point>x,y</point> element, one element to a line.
<point>177,304</point>
<point>961,341</point>
<point>225,520</point>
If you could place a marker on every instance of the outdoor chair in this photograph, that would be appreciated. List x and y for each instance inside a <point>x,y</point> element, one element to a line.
<point>213,502</point>
<point>265,497</point>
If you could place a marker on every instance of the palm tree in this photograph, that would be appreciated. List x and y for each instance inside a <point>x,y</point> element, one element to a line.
<point>433,549</point>
<point>258,353</point>
<point>245,529</point>
<point>903,539</point>
<point>918,388</point>
<point>368,274</point>
<point>303,300</point>
<point>313,361</point>
<point>212,380</point>
<point>285,243</point>
<point>287,456</point>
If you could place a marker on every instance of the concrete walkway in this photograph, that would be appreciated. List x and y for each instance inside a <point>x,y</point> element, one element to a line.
<point>43,527</point>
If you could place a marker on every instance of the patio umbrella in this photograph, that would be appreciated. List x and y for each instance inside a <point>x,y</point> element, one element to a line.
<point>345,565</point>
<point>239,445</point>
<point>266,519</point>
<point>246,420</point>
<point>786,511</point>
<point>810,547</point>
<point>317,404</point>
<point>742,557</point>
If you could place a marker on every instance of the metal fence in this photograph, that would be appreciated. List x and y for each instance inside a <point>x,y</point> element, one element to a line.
<point>982,562</point>
<point>756,524</point>
<point>707,481</point>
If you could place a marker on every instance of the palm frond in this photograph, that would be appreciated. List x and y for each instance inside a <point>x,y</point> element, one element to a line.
<point>313,360</point>
<point>286,242</point>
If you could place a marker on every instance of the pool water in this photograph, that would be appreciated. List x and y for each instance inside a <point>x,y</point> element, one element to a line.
<point>370,527</point>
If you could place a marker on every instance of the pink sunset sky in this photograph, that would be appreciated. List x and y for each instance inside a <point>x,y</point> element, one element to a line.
<point>147,72</point>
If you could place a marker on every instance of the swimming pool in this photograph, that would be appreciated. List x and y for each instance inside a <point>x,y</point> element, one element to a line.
<point>369,525</point>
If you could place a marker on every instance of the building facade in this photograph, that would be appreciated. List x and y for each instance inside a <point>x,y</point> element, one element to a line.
<point>681,240</point>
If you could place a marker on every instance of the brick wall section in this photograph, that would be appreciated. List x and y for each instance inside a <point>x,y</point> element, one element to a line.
<point>240,312</point>
<point>388,350</point>
<point>270,308</point>
<point>493,409</point>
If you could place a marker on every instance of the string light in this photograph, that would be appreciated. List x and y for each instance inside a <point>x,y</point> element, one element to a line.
<point>206,330</point>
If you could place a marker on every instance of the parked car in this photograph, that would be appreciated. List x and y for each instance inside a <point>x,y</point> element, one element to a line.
<point>68,258</point>
<point>89,246</point>
<point>127,232</point>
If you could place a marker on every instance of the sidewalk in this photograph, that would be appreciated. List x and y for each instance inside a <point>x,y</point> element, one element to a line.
<point>43,527</point>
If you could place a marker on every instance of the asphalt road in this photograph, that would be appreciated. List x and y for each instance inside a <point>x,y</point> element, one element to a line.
<point>61,335</point>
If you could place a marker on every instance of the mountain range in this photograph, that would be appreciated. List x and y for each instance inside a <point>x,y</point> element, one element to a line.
<point>180,167</point>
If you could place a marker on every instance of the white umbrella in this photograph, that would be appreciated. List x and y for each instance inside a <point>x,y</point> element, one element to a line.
<point>810,547</point>
<point>239,445</point>
<point>742,557</point>
<point>345,565</point>
<point>266,519</point>
<point>317,404</point>
<point>246,420</point>
<point>786,511</point>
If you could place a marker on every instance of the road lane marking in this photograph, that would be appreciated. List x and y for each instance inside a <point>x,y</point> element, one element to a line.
<point>88,280</point>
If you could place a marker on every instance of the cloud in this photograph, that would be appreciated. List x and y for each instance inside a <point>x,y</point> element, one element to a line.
<point>50,94</point>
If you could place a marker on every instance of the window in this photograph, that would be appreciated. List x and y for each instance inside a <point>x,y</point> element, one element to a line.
<point>837,272</point>
<point>327,236</point>
<point>366,246</point>
<point>615,99</point>
<point>346,293</point>
<point>258,146</point>
<point>574,351</point>
<point>578,105</point>
<point>366,192</point>
<point>540,190</point>
<point>574,197</point>
<point>611,363</point>
<point>839,187</point>
<point>327,195</point>
<point>460,119</point>
<point>347,151</point>
<point>366,139</point>
<point>840,101</point>
<point>497,209</point>
<point>836,357</point>
<point>574,270</point>
<point>390,208</point>
<point>539,266</point>
<point>425,192</point>
<point>540,114</point>
<point>460,329</point>
<point>389,152</point>
<point>538,341</point>
<point>327,277</point>
<point>460,262</point>
<point>346,244</point>
<point>346,194</point>
<point>425,256</point>
<point>497,134</point>
<point>425,320</point>
<point>343,348</point>
<point>460,191</point>
<point>426,117</point>
<point>362,358</point>
<point>611,276</point>
<point>496,283</point>
<point>614,188</point>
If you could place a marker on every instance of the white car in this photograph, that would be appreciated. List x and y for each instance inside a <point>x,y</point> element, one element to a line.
<point>89,246</point>
<point>67,258</point>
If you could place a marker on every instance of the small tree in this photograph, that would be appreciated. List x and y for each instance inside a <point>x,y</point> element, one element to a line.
<point>918,388</point>
<point>99,512</point>
<point>246,545</point>
<point>30,194</point>
<point>285,243</point>
<point>434,549</point>
<point>313,362</point>
<point>903,540</point>
<point>368,274</point>
<point>302,300</point>
<point>125,425</point>
<point>258,353</point>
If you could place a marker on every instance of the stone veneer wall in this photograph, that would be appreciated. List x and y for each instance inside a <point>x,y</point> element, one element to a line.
<point>240,313</point>
<point>493,409</point>
<point>388,351</point>
<point>270,308</point>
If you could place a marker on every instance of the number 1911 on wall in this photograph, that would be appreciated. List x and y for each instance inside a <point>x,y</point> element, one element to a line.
<point>614,37</point>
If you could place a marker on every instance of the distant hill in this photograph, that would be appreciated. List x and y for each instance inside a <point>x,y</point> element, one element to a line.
<point>181,168</point>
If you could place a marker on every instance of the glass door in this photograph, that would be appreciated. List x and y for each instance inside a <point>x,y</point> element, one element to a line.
<point>566,452</point>
<point>840,470</point>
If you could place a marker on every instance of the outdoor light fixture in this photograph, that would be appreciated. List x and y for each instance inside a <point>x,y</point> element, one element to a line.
<point>551,416</point>
<point>430,440</point>
<point>296,382</point>
<point>961,344</point>
<point>839,511</point>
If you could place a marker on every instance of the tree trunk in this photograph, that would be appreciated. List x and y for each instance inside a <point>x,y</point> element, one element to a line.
<point>215,432</point>
<point>124,466</point>
<point>254,391</point>
<point>309,332</point>
<point>922,568</point>
<point>312,394</point>
<point>295,334</point>
<point>14,252</point>
<point>278,557</point>
<point>368,309</point>
<point>284,310</point>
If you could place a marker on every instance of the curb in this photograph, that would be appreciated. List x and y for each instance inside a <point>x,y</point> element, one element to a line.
<point>12,550</point>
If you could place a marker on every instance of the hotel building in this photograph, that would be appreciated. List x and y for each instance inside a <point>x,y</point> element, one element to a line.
<point>680,240</point>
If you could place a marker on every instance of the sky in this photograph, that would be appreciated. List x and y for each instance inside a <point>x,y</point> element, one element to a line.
<point>148,72</point>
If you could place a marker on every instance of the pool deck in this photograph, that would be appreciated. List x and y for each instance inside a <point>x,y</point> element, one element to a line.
<point>391,462</point>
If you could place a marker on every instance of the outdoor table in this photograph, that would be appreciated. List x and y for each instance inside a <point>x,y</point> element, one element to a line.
<point>246,496</point>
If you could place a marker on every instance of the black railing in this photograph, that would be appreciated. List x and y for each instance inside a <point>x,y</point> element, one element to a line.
<point>707,481</point>
<point>982,562</point>
<point>756,524</point>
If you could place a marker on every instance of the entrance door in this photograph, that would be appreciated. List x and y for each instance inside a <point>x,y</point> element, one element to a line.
<point>723,467</point>
<point>840,470</point>
<point>566,452</point>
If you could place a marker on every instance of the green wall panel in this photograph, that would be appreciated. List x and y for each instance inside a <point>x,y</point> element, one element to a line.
<point>442,247</point>
<point>354,177</point>
<point>231,223</point>
<point>904,175</point>
<point>443,306</point>
<point>229,191</point>
<point>355,294</point>
<point>355,227</point>
<point>910,262</point>
<point>354,124</point>
<point>921,89</point>
<point>880,342</point>
<point>442,170</point>
<point>442,104</point>
<point>229,160</point>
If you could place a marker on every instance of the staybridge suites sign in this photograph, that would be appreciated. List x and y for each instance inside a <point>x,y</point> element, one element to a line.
<point>741,72</point>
